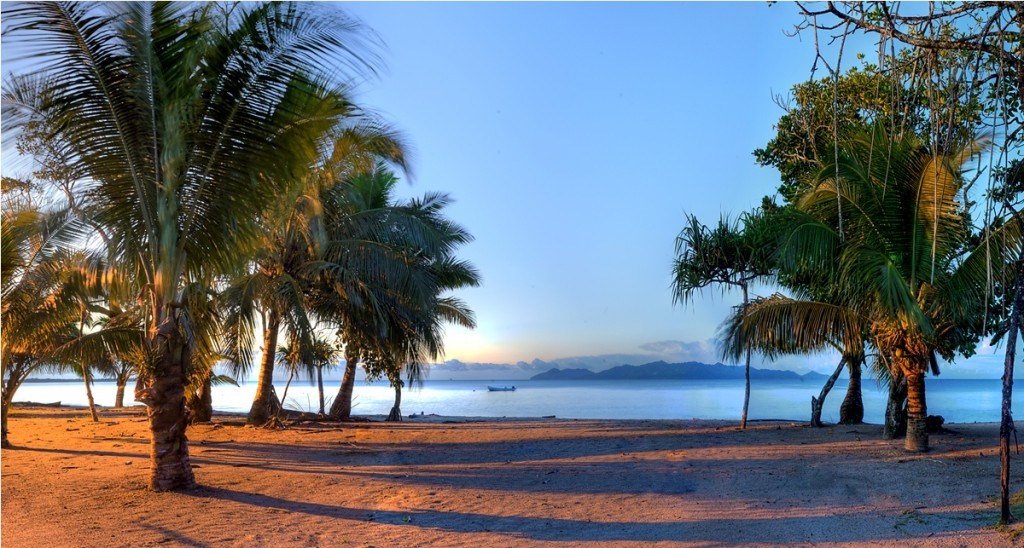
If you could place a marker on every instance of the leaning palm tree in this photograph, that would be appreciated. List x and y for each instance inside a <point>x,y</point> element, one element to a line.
<point>905,265</point>
<point>183,118</point>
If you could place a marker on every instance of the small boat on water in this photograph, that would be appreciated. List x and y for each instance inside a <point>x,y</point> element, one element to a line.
<point>501,388</point>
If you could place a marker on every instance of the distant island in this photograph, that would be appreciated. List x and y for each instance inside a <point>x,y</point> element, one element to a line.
<point>673,371</point>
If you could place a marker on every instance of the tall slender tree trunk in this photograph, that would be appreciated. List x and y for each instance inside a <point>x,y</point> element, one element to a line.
<point>819,402</point>
<point>163,392</point>
<point>746,372</point>
<point>284,396</point>
<point>88,392</point>
<point>320,387</point>
<point>341,409</point>
<point>266,405</point>
<point>1006,426</point>
<point>852,409</point>
<point>396,411</point>
<point>917,411</point>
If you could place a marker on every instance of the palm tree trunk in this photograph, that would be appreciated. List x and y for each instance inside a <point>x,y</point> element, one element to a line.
<point>917,411</point>
<point>202,407</point>
<point>852,409</point>
<point>341,409</point>
<point>895,409</point>
<point>122,382</point>
<point>819,402</point>
<point>265,405</point>
<point>1006,426</point>
<point>746,372</point>
<point>320,386</point>
<point>5,409</point>
<point>163,392</point>
<point>284,396</point>
<point>19,371</point>
<point>88,393</point>
<point>396,411</point>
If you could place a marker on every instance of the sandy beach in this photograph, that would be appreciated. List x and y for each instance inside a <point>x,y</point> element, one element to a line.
<point>437,481</point>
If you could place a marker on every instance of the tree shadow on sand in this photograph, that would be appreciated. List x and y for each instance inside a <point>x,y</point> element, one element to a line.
<point>841,527</point>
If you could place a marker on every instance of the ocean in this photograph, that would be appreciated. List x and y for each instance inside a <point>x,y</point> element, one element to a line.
<point>957,400</point>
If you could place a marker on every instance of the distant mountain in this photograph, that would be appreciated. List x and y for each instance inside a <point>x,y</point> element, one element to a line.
<point>673,371</point>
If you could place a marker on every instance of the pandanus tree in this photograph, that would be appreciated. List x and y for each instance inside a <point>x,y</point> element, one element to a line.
<point>183,119</point>
<point>911,271</point>
<point>726,255</point>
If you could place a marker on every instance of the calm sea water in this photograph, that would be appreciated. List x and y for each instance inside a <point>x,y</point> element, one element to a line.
<point>956,400</point>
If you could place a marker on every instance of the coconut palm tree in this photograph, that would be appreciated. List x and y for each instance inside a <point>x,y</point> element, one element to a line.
<point>183,118</point>
<point>292,248</point>
<point>906,268</point>
<point>392,323</point>
<point>35,308</point>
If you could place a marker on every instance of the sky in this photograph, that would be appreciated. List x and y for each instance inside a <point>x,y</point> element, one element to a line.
<point>574,137</point>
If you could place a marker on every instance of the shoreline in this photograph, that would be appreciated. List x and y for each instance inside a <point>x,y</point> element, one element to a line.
<point>523,482</point>
<point>305,416</point>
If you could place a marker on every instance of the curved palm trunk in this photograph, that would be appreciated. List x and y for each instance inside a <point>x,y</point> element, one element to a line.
<point>746,372</point>
<point>341,409</point>
<point>88,393</point>
<point>266,405</point>
<point>320,387</point>
<point>852,409</point>
<point>396,411</point>
<point>819,402</point>
<point>917,411</point>
<point>19,371</point>
<point>163,392</point>
<point>284,395</point>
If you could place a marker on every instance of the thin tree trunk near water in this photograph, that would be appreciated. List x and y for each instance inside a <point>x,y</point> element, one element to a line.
<point>341,409</point>
<point>265,405</point>
<point>746,372</point>
<point>1006,425</point>
<point>819,402</point>
<point>284,396</point>
<point>320,387</point>
<point>88,393</point>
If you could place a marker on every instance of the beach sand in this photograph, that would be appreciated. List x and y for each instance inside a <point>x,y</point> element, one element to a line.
<point>436,481</point>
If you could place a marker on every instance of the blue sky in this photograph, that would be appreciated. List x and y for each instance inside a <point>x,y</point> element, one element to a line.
<point>573,137</point>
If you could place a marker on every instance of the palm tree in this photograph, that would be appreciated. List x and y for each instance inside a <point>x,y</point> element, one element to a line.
<point>392,323</point>
<point>906,269</point>
<point>36,311</point>
<point>184,118</point>
<point>725,256</point>
<point>292,248</point>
